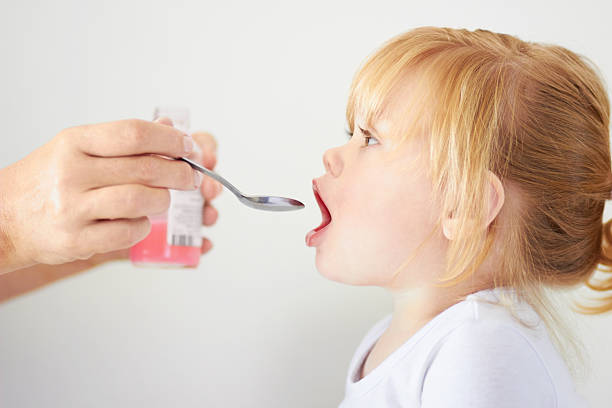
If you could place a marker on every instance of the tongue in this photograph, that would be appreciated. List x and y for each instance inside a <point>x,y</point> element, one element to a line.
<point>312,232</point>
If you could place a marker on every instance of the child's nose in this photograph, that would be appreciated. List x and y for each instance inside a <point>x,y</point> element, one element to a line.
<point>333,161</point>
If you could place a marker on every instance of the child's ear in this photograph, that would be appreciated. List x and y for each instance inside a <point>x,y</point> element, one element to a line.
<point>496,200</point>
<point>497,196</point>
<point>449,226</point>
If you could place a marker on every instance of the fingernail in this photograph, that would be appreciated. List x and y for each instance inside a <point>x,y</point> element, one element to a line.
<point>198,179</point>
<point>219,187</point>
<point>188,142</point>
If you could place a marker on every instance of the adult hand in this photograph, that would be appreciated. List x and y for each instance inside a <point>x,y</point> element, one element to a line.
<point>85,195</point>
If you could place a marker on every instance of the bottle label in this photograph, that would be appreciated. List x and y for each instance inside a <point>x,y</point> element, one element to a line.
<point>185,211</point>
<point>185,218</point>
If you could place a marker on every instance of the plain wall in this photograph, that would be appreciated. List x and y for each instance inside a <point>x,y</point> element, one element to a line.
<point>255,325</point>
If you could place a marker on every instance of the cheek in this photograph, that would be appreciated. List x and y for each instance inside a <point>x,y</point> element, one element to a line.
<point>372,235</point>
<point>364,245</point>
<point>353,246</point>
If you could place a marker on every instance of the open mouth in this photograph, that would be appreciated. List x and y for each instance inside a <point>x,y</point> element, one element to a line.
<point>324,211</point>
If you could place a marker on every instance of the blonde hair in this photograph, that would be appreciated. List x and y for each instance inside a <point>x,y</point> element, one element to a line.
<point>537,116</point>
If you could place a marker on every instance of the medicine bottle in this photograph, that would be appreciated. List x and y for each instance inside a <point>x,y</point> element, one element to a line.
<point>175,238</point>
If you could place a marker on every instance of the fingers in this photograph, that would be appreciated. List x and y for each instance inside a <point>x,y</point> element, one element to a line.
<point>130,137</point>
<point>149,170</point>
<point>208,157</point>
<point>112,235</point>
<point>205,140</point>
<point>211,188</point>
<point>206,246</point>
<point>208,144</point>
<point>209,215</point>
<point>124,201</point>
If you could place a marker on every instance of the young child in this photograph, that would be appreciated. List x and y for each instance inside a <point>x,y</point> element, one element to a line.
<point>473,181</point>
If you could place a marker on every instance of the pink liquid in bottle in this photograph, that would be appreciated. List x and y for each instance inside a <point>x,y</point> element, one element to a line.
<point>155,251</point>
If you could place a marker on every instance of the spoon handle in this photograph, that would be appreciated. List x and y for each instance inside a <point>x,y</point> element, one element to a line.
<point>212,174</point>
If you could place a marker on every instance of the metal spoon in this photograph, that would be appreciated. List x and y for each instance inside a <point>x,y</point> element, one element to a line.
<point>267,203</point>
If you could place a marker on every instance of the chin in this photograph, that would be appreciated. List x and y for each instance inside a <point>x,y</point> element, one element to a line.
<point>338,273</point>
<point>331,272</point>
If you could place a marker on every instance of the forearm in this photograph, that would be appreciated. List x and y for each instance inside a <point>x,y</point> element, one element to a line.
<point>10,259</point>
<point>24,280</point>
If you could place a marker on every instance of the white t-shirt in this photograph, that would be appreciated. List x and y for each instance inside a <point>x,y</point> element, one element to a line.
<point>474,354</point>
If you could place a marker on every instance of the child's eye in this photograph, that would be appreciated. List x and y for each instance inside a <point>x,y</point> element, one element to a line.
<point>368,138</point>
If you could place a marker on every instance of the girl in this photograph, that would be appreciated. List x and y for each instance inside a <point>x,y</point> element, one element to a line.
<point>473,181</point>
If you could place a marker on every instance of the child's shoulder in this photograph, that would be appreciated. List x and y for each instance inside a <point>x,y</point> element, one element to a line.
<point>486,346</point>
<point>490,360</point>
<point>492,342</point>
<point>495,317</point>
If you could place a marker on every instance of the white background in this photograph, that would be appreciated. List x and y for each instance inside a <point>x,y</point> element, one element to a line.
<point>255,325</point>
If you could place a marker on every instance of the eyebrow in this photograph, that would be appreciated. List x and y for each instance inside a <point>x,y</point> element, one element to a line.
<point>367,132</point>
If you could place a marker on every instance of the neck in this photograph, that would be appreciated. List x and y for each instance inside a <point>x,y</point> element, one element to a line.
<point>414,307</point>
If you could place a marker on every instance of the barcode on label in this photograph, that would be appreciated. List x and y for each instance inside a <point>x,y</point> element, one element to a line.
<point>182,240</point>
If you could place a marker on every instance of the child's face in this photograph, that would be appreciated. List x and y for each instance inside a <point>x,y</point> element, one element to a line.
<point>379,198</point>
